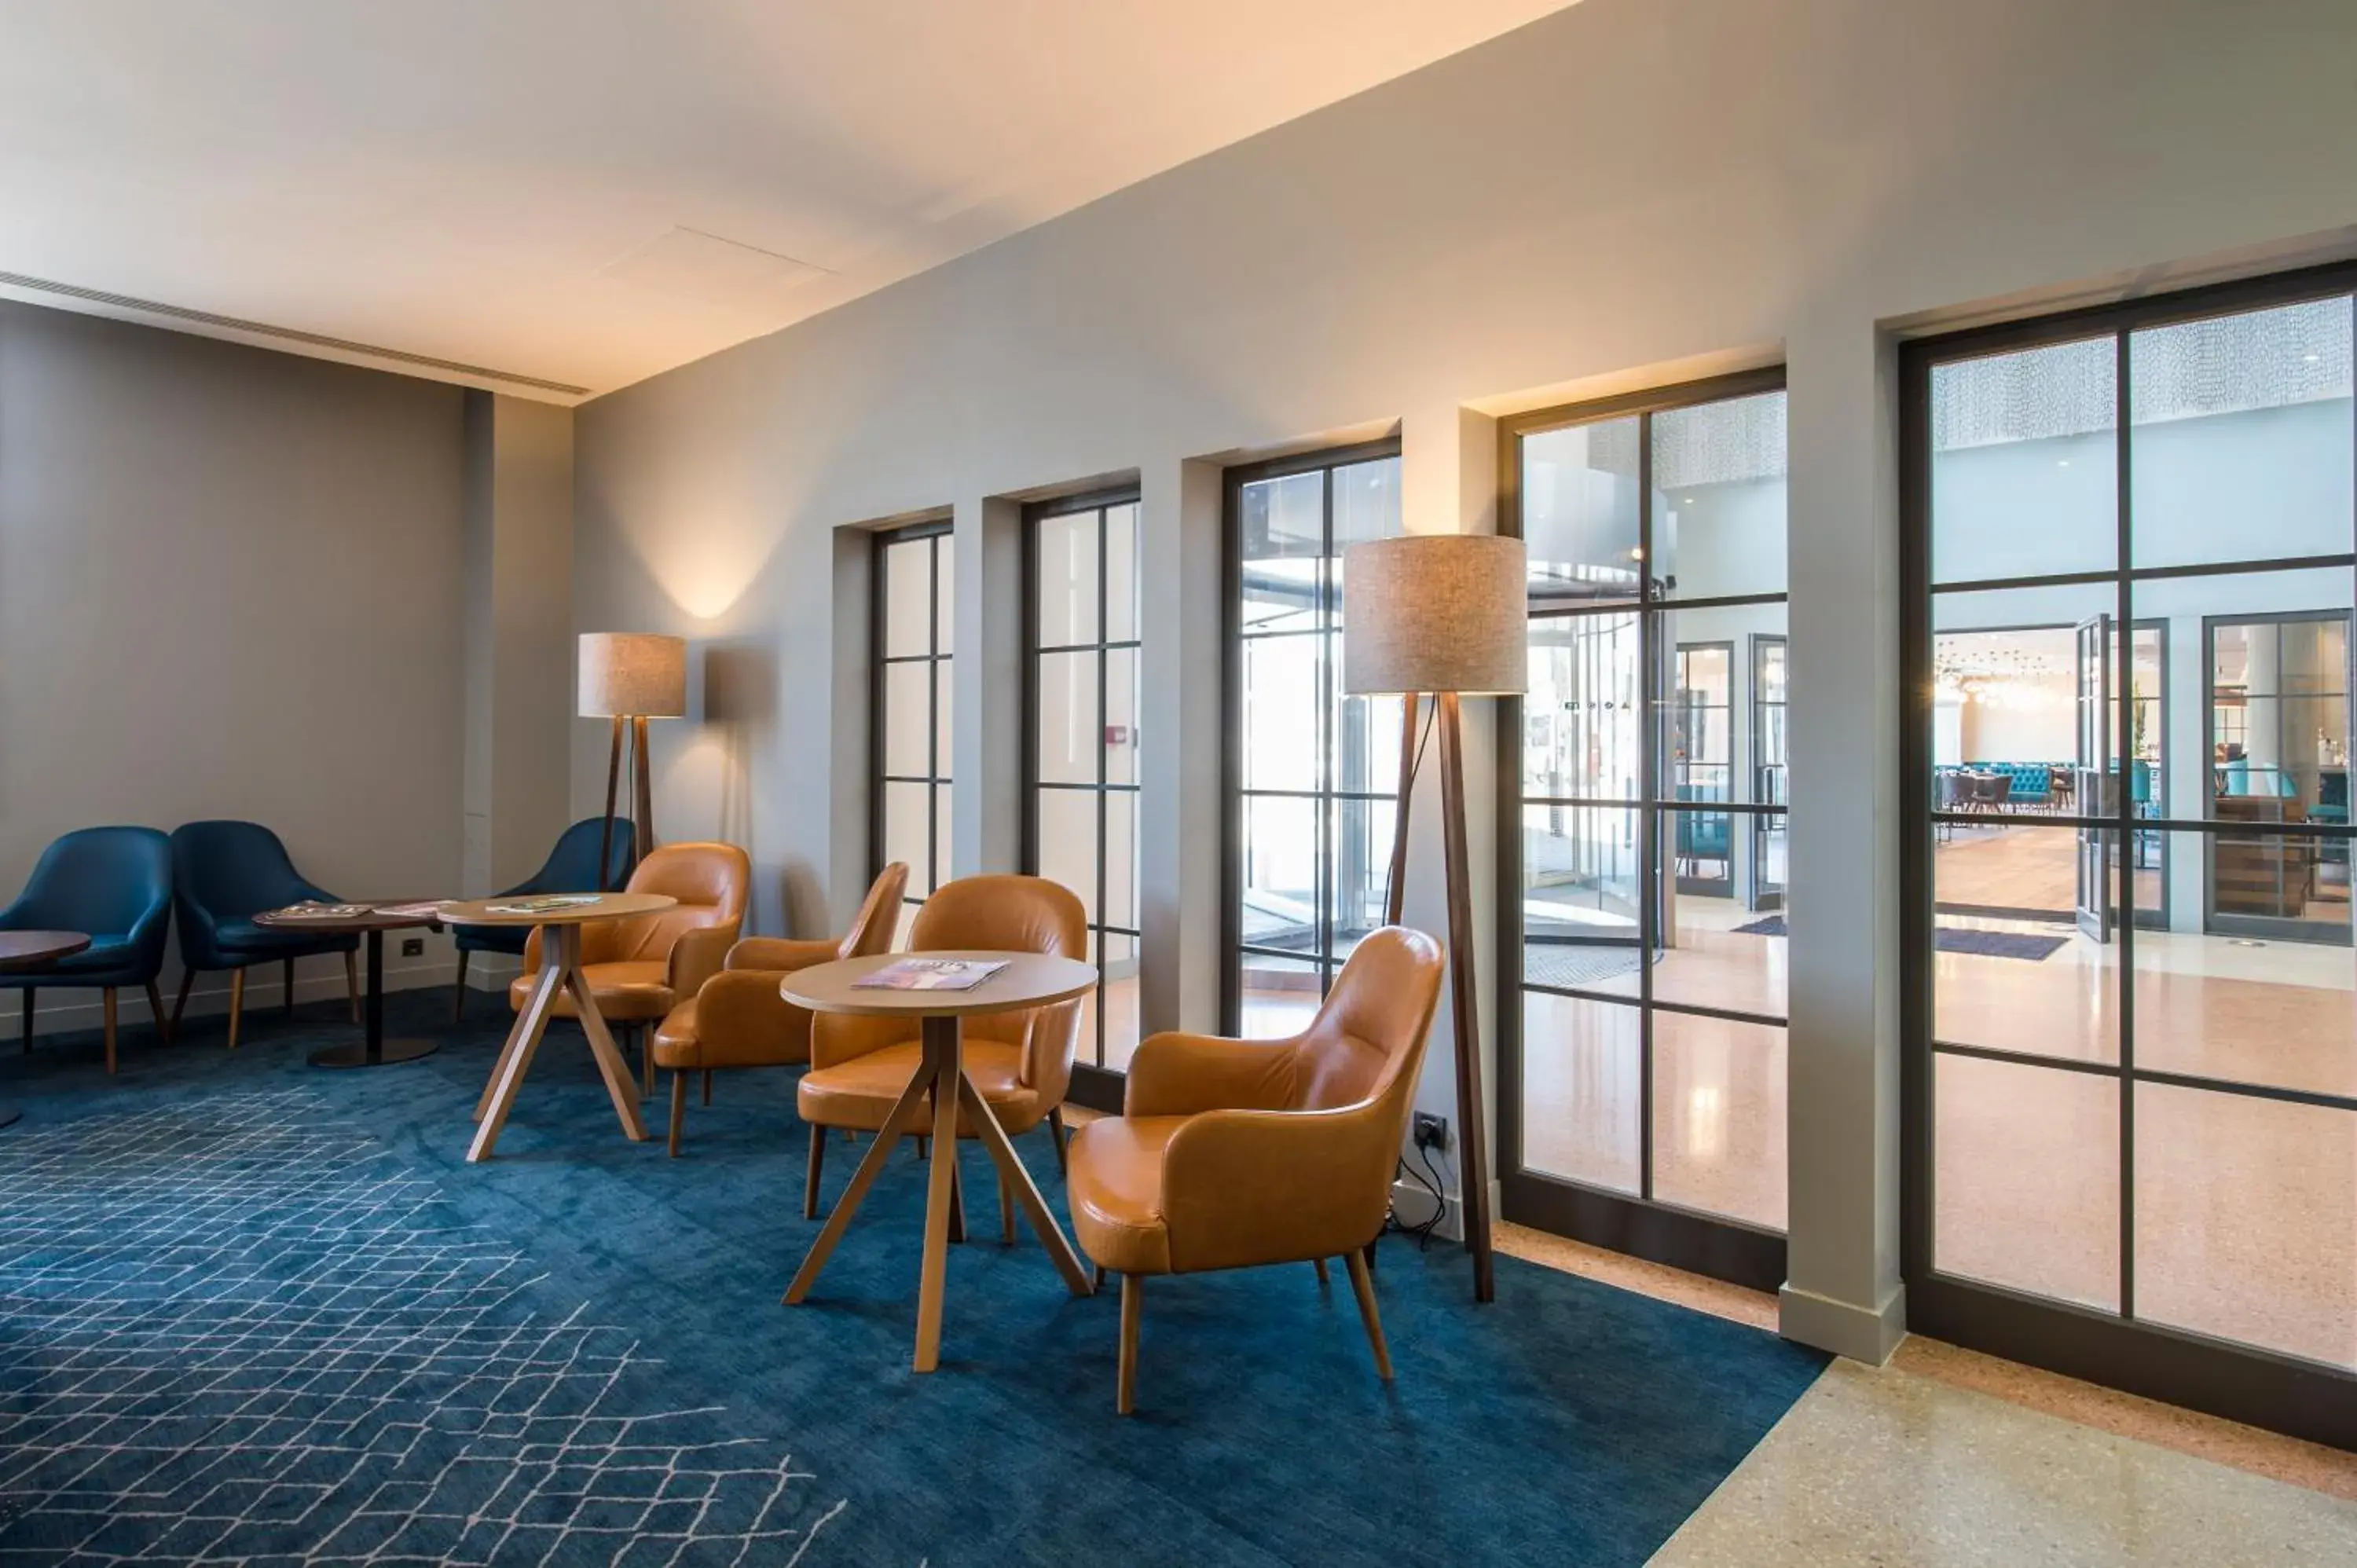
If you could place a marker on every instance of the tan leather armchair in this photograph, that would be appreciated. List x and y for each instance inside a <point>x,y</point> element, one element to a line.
<point>1231,1153</point>
<point>640,967</point>
<point>738,1019</point>
<point>1021,1061</point>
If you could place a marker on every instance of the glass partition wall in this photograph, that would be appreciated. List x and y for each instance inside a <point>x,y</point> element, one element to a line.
<point>1641,1097</point>
<point>1080,768</point>
<point>2131,997</point>
<point>908,725</point>
<point>1312,773</point>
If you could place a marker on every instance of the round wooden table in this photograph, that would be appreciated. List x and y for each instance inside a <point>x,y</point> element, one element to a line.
<point>23,949</point>
<point>372,1049</point>
<point>560,972</point>
<point>1029,980</point>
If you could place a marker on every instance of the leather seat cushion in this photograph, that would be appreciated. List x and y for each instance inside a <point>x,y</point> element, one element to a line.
<point>634,990</point>
<point>860,1094</point>
<point>1115,1189</point>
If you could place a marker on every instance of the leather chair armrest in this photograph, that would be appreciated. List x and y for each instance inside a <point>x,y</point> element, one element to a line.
<point>1241,1187</point>
<point>698,956</point>
<point>780,955</point>
<point>839,1037</point>
<point>740,1019</point>
<point>1176,1074</point>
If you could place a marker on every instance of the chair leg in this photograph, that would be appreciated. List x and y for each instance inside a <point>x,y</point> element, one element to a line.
<point>924,1150</point>
<point>352,983</point>
<point>236,1003</point>
<point>1057,1135</point>
<point>29,1020</point>
<point>1133,1302</point>
<point>180,1004</point>
<point>1096,1276</point>
<point>155,1006</point>
<point>1006,1210</point>
<point>707,1086</point>
<point>678,1109</point>
<point>458,1003</point>
<point>1366,1287</point>
<point>107,1009</point>
<point>645,1043</point>
<point>287,1000</point>
<point>810,1177</point>
<point>1319,1264</point>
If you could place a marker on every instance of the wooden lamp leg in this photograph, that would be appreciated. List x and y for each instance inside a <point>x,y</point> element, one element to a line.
<point>643,809</point>
<point>613,777</point>
<point>1474,1177</point>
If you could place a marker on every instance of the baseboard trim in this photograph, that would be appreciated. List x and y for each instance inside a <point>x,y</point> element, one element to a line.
<point>1853,1332</point>
<point>63,1010</point>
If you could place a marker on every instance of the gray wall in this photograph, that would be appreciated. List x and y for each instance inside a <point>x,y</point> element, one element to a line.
<point>1628,191</point>
<point>229,586</point>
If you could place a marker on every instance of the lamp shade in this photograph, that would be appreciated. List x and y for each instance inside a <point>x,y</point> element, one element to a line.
<point>1435,612</point>
<point>633,673</point>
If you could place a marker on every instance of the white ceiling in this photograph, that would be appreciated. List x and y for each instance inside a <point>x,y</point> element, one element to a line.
<point>454,179</point>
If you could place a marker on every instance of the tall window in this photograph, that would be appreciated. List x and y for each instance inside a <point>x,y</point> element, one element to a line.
<point>1644,1100</point>
<point>1082,824</point>
<point>2131,994</point>
<point>1314,772</point>
<point>915,611</point>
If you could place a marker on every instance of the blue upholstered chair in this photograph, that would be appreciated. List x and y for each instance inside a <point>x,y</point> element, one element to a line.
<point>224,874</point>
<point>1704,835</point>
<point>113,885</point>
<point>571,867</point>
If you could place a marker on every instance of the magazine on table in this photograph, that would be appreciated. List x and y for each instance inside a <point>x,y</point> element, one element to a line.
<point>931,974</point>
<point>545,906</point>
<point>311,909</point>
<point>418,910</point>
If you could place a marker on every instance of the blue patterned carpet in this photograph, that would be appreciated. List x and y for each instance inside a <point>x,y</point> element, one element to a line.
<point>253,1312</point>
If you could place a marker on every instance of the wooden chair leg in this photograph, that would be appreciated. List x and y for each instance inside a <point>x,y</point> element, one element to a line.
<point>1057,1135</point>
<point>107,1009</point>
<point>286,1001</point>
<point>1362,1283</point>
<point>459,1002</point>
<point>707,1086</point>
<point>155,1006</point>
<point>180,1004</point>
<point>1132,1303</point>
<point>352,983</point>
<point>236,1003</point>
<point>1006,1210</point>
<point>645,1043</point>
<point>1096,1276</point>
<point>1319,1264</point>
<point>29,1020</point>
<point>678,1109</point>
<point>810,1177</point>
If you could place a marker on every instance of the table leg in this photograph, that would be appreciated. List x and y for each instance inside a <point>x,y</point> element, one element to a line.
<point>374,1049</point>
<point>897,1122</point>
<point>621,1084</point>
<point>1012,1172</point>
<point>532,1025</point>
<point>535,1003</point>
<point>944,1065</point>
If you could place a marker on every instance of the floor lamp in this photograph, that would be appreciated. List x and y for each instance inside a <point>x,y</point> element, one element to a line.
<point>630,677</point>
<point>1442,615</point>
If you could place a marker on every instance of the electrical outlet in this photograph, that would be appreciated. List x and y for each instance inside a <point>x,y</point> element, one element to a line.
<point>1431,1132</point>
<point>412,947</point>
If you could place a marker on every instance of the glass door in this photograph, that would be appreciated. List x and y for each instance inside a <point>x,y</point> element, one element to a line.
<point>1770,766</point>
<point>2098,783</point>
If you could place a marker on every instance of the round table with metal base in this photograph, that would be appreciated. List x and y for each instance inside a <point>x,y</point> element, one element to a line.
<point>372,1049</point>
<point>23,949</point>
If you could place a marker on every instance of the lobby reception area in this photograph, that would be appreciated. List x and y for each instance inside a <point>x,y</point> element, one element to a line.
<point>1535,782</point>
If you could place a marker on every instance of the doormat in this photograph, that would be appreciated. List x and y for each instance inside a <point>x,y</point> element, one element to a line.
<point>1980,944</point>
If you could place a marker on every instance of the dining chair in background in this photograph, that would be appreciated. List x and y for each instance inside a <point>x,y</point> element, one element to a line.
<point>115,886</point>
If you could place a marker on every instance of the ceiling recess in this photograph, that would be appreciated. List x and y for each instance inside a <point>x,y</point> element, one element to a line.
<point>126,302</point>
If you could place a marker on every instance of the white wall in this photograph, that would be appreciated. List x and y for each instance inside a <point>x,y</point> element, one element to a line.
<point>230,587</point>
<point>1622,191</point>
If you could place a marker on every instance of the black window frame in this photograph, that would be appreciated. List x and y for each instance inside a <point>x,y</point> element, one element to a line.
<point>1232,792</point>
<point>1641,1224</point>
<point>1094,1084</point>
<point>2242,1382</point>
<point>937,781</point>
